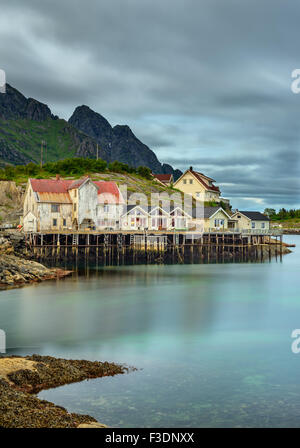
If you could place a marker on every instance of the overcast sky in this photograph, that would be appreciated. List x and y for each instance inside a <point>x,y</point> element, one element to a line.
<point>202,82</point>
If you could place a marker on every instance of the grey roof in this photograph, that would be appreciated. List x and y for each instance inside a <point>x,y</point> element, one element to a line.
<point>206,212</point>
<point>131,206</point>
<point>254,216</point>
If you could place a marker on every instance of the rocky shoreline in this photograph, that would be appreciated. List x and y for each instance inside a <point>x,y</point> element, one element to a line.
<point>22,377</point>
<point>16,271</point>
<point>291,231</point>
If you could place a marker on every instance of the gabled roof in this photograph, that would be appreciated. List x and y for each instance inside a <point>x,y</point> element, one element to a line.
<point>164,178</point>
<point>50,185</point>
<point>254,216</point>
<point>202,178</point>
<point>57,190</point>
<point>144,208</point>
<point>150,208</point>
<point>110,191</point>
<point>77,183</point>
<point>51,190</point>
<point>185,212</point>
<point>208,212</point>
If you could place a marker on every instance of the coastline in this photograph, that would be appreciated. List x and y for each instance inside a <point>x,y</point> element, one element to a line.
<point>23,377</point>
<point>18,268</point>
<point>17,271</point>
<point>291,231</point>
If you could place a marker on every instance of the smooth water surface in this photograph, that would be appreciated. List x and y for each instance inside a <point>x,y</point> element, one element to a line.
<point>212,343</point>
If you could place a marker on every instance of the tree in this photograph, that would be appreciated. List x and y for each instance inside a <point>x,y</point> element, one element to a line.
<point>270,212</point>
<point>144,171</point>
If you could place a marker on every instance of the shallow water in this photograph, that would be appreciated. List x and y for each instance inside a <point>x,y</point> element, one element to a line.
<point>212,342</point>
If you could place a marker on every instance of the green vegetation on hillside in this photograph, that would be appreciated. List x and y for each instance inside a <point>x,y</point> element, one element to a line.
<point>26,136</point>
<point>282,214</point>
<point>286,218</point>
<point>69,167</point>
<point>137,181</point>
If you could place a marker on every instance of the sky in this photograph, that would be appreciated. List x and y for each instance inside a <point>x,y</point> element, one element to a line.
<point>204,83</point>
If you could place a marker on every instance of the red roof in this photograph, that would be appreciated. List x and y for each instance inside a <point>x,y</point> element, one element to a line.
<point>50,185</point>
<point>164,177</point>
<point>207,186</point>
<point>109,188</point>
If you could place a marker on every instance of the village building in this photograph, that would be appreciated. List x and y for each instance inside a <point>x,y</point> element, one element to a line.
<point>84,197</point>
<point>200,186</point>
<point>180,219</point>
<point>247,220</point>
<point>111,205</point>
<point>83,204</point>
<point>59,204</point>
<point>47,205</point>
<point>139,217</point>
<point>165,179</point>
<point>211,219</point>
<point>135,217</point>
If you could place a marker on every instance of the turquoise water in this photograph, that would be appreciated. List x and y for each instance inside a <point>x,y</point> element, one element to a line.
<point>212,343</point>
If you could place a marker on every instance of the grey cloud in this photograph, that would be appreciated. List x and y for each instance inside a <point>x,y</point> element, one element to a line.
<point>205,83</point>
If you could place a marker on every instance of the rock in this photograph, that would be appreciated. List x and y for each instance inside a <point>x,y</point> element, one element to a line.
<point>20,378</point>
<point>92,425</point>
<point>16,271</point>
<point>14,105</point>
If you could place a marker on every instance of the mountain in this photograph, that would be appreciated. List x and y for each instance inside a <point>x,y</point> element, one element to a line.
<point>25,123</point>
<point>119,142</point>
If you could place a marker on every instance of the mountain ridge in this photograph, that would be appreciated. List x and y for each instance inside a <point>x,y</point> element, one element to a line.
<point>26,122</point>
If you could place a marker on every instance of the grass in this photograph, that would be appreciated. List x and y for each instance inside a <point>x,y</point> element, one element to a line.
<point>287,223</point>
<point>26,137</point>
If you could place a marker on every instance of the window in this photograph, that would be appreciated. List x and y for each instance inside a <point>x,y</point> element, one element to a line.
<point>75,193</point>
<point>198,195</point>
<point>184,181</point>
<point>54,222</point>
<point>74,207</point>
<point>263,225</point>
<point>54,208</point>
<point>253,225</point>
<point>219,222</point>
<point>106,208</point>
<point>64,222</point>
<point>191,181</point>
<point>239,216</point>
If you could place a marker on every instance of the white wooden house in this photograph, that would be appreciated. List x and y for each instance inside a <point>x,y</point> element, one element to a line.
<point>111,205</point>
<point>135,217</point>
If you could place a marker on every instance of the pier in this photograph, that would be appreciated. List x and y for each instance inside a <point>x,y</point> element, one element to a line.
<point>122,247</point>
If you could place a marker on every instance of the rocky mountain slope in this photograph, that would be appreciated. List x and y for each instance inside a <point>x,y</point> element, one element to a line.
<point>118,142</point>
<point>25,123</point>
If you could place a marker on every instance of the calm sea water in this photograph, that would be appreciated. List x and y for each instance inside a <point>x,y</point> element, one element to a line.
<point>212,343</point>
